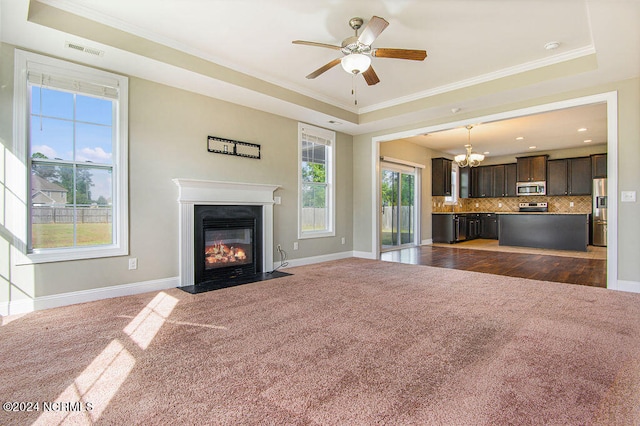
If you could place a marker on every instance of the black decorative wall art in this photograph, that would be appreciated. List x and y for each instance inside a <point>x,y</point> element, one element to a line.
<point>230,147</point>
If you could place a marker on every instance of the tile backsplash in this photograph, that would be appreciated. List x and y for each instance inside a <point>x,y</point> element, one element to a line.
<point>560,204</point>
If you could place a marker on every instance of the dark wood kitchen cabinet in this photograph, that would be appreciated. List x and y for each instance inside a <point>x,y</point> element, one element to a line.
<point>441,177</point>
<point>510,179</point>
<point>569,176</point>
<point>498,181</point>
<point>482,182</point>
<point>532,169</point>
<point>599,166</point>
<point>473,225</point>
<point>489,226</point>
<point>488,181</point>
<point>557,177</point>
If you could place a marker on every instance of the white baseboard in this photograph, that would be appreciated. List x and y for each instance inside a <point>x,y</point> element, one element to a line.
<point>364,254</point>
<point>630,286</point>
<point>23,306</point>
<point>316,259</point>
<point>427,242</point>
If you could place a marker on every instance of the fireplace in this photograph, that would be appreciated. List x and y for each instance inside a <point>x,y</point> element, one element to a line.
<point>249,200</point>
<point>227,242</point>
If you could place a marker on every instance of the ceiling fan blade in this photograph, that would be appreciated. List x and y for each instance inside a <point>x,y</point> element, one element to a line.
<point>324,68</point>
<point>414,55</point>
<point>313,43</point>
<point>372,30</point>
<point>370,76</point>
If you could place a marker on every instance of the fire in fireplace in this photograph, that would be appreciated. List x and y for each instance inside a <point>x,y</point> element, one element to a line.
<point>228,247</point>
<point>228,242</point>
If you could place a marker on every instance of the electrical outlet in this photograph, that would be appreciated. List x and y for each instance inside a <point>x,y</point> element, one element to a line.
<point>295,245</point>
<point>133,263</point>
<point>343,240</point>
<point>571,204</point>
<point>499,204</point>
<point>277,200</point>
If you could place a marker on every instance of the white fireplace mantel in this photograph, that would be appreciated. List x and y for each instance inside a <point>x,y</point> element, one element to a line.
<point>192,192</point>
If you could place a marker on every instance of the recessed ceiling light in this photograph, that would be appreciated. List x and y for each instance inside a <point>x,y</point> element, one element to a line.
<point>486,153</point>
<point>519,138</point>
<point>588,140</point>
<point>582,129</point>
<point>532,147</point>
<point>552,45</point>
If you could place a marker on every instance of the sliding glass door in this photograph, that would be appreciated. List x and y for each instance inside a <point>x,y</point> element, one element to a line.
<point>398,219</point>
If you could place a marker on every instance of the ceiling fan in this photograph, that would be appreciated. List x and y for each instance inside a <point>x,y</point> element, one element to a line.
<point>357,50</point>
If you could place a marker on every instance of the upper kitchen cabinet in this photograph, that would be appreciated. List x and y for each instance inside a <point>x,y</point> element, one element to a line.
<point>569,176</point>
<point>510,179</point>
<point>532,169</point>
<point>441,177</point>
<point>488,181</point>
<point>599,166</point>
<point>481,182</point>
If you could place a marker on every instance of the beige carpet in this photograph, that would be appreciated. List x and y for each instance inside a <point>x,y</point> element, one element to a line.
<point>592,252</point>
<point>352,342</point>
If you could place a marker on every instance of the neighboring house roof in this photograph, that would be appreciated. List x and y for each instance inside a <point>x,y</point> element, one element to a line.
<point>41,184</point>
<point>41,198</point>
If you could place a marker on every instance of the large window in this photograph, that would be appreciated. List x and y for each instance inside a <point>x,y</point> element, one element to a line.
<point>316,182</point>
<point>74,124</point>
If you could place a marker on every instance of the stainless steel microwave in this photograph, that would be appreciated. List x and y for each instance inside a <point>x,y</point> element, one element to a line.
<point>531,188</point>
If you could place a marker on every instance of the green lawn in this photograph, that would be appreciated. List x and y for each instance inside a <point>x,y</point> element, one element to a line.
<point>51,235</point>
<point>387,238</point>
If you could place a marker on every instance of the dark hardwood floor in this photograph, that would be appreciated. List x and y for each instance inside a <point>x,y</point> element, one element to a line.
<point>589,272</point>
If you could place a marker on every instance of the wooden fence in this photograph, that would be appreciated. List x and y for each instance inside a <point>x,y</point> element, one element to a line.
<point>89,214</point>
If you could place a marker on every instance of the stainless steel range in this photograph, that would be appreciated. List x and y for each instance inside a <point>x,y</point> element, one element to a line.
<point>533,207</point>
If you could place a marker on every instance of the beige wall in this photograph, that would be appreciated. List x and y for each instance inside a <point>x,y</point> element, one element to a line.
<point>628,238</point>
<point>403,150</point>
<point>168,130</point>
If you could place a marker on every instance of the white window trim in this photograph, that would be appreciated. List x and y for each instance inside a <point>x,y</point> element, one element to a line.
<point>120,247</point>
<point>331,177</point>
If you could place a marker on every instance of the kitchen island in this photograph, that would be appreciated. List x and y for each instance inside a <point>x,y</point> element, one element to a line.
<point>558,231</point>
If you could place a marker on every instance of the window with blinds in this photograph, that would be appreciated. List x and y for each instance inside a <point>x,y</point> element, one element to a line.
<point>316,177</point>
<point>75,135</point>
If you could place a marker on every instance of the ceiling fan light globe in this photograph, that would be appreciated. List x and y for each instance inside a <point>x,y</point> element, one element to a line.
<point>355,63</point>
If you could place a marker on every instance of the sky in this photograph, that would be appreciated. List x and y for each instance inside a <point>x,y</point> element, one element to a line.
<point>52,131</point>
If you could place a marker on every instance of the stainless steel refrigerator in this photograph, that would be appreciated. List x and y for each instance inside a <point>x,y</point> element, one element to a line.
<point>599,213</point>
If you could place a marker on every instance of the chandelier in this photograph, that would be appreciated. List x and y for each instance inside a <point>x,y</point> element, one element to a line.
<point>470,159</point>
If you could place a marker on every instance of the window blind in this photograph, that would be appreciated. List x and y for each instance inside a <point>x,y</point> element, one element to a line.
<point>38,76</point>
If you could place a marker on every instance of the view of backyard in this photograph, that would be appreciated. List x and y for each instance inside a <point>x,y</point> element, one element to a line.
<point>51,235</point>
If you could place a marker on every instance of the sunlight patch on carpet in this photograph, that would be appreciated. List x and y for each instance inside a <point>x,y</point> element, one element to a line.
<point>94,388</point>
<point>144,327</point>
